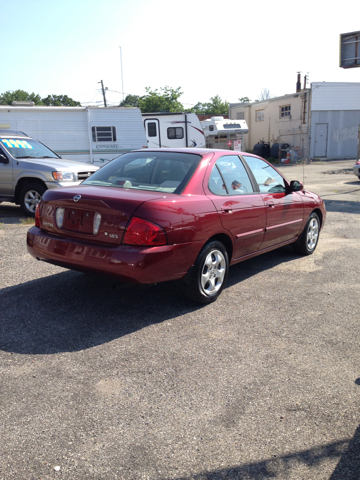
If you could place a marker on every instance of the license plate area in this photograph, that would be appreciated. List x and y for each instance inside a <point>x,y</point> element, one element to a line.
<point>76,220</point>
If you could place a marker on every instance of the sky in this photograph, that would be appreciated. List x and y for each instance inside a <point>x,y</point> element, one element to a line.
<point>228,48</point>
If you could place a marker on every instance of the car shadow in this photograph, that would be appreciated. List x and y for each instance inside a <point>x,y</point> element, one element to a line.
<point>71,311</point>
<point>11,214</point>
<point>342,206</point>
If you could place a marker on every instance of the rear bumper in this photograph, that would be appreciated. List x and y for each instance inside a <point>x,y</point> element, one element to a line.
<point>128,263</point>
<point>357,170</point>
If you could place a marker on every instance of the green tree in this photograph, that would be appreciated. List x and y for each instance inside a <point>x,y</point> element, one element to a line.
<point>244,100</point>
<point>10,96</point>
<point>167,100</point>
<point>216,106</point>
<point>130,101</point>
<point>60,101</point>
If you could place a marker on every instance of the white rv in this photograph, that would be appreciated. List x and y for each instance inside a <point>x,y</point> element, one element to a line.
<point>85,134</point>
<point>225,133</point>
<point>168,130</point>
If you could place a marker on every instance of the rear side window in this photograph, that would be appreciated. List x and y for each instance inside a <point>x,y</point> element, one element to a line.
<point>229,177</point>
<point>175,132</point>
<point>266,176</point>
<point>104,134</point>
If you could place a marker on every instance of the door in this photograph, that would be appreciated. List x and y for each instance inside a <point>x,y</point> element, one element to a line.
<point>284,211</point>
<point>6,175</point>
<point>241,210</point>
<point>152,132</point>
<point>321,135</point>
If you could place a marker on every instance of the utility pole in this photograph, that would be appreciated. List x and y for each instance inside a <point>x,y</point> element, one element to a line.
<point>103,92</point>
<point>122,79</point>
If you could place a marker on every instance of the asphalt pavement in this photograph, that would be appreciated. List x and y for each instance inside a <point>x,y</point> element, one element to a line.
<point>106,381</point>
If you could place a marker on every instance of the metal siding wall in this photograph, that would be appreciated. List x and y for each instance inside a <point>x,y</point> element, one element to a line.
<point>342,132</point>
<point>335,96</point>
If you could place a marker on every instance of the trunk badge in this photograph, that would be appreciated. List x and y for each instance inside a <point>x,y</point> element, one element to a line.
<point>77,198</point>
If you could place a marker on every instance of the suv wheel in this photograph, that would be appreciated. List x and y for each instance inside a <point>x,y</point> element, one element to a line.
<point>30,196</point>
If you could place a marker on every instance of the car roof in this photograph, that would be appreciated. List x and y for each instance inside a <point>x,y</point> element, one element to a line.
<point>198,151</point>
<point>12,133</point>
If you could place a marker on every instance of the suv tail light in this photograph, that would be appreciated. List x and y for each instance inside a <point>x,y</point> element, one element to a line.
<point>37,216</point>
<point>358,162</point>
<point>143,232</point>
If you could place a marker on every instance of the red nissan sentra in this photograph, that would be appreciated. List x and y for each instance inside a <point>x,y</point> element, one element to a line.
<point>156,215</point>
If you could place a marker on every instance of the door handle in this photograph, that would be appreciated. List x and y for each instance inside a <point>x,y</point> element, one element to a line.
<point>270,204</point>
<point>226,211</point>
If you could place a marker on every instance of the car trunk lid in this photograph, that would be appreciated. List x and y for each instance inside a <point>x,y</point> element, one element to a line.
<point>82,206</point>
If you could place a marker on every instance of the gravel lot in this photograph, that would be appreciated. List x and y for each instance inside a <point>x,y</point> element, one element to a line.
<point>105,381</point>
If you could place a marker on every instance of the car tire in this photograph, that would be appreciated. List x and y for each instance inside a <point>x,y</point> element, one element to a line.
<point>309,237</point>
<point>209,274</point>
<point>30,196</point>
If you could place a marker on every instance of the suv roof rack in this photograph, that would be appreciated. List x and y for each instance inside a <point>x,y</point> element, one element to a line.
<point>12,133</point>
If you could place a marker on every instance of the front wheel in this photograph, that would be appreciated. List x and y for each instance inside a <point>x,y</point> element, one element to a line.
<point>308,240</point>
<point>30,196</point>
<point>209,274</point>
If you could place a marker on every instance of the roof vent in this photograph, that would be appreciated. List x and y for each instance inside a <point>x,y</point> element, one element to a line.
<point>23,104</point>
<point>216,119</point>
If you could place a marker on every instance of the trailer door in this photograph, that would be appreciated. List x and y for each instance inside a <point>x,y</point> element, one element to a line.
<point>152,131</point>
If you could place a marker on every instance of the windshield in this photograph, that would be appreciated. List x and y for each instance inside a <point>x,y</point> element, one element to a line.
<point>157,171</point>
<point>29,148</point>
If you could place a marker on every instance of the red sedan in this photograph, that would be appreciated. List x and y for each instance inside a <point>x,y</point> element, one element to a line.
<point>156,215</point>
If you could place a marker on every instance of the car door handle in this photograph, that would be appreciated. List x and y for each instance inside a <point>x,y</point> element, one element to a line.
<point>226,211</point>
<point>270,204</point>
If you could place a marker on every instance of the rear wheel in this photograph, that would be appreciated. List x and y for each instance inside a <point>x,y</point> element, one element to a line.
<point>209,274</point>
<point>308,240</point>
<point>30,196</point>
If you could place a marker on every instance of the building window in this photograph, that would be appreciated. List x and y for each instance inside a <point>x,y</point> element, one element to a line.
<point>285,111</point>
<point>240,116</point>
<point>104,134</point>
<point>175,132</point>
<point>151,129</point>
<point>260,116</point>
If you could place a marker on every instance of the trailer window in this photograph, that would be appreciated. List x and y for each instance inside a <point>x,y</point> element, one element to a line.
<point>151,129</point>
<point>104,134</point>
<point>175,132</point>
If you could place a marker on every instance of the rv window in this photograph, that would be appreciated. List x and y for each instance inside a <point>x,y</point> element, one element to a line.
<point>175,132</point>
<point>232,125</point>
<point>211,128</point>
<point>151,129</point>
<point>104,134</point>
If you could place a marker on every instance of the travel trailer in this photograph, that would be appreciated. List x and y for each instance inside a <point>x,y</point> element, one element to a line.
<point>85,134</point>
<point>169,130</point>
<point>224,133</point>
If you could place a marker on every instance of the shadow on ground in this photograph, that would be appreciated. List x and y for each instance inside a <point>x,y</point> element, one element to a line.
<point>281,468</point>
<point>342,206</point>
<point>71,311</point>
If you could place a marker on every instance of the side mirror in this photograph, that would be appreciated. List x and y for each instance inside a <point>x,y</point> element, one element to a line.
<point>3,158</point>
<point>296,186</point>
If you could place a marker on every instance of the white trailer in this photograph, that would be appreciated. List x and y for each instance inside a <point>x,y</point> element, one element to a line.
<point>173,130</point>
<point>224,133</point>
<point>84,134</point>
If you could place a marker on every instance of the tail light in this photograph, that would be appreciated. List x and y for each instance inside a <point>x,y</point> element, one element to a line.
<point>358,162</point>
<point>143,232</point>
<point>37,216</point>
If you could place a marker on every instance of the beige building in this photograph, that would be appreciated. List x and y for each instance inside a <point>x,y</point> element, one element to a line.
<point>280,120</point>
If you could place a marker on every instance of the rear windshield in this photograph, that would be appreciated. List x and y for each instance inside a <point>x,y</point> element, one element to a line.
<point>156,171</point>
<point>26,148</point>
